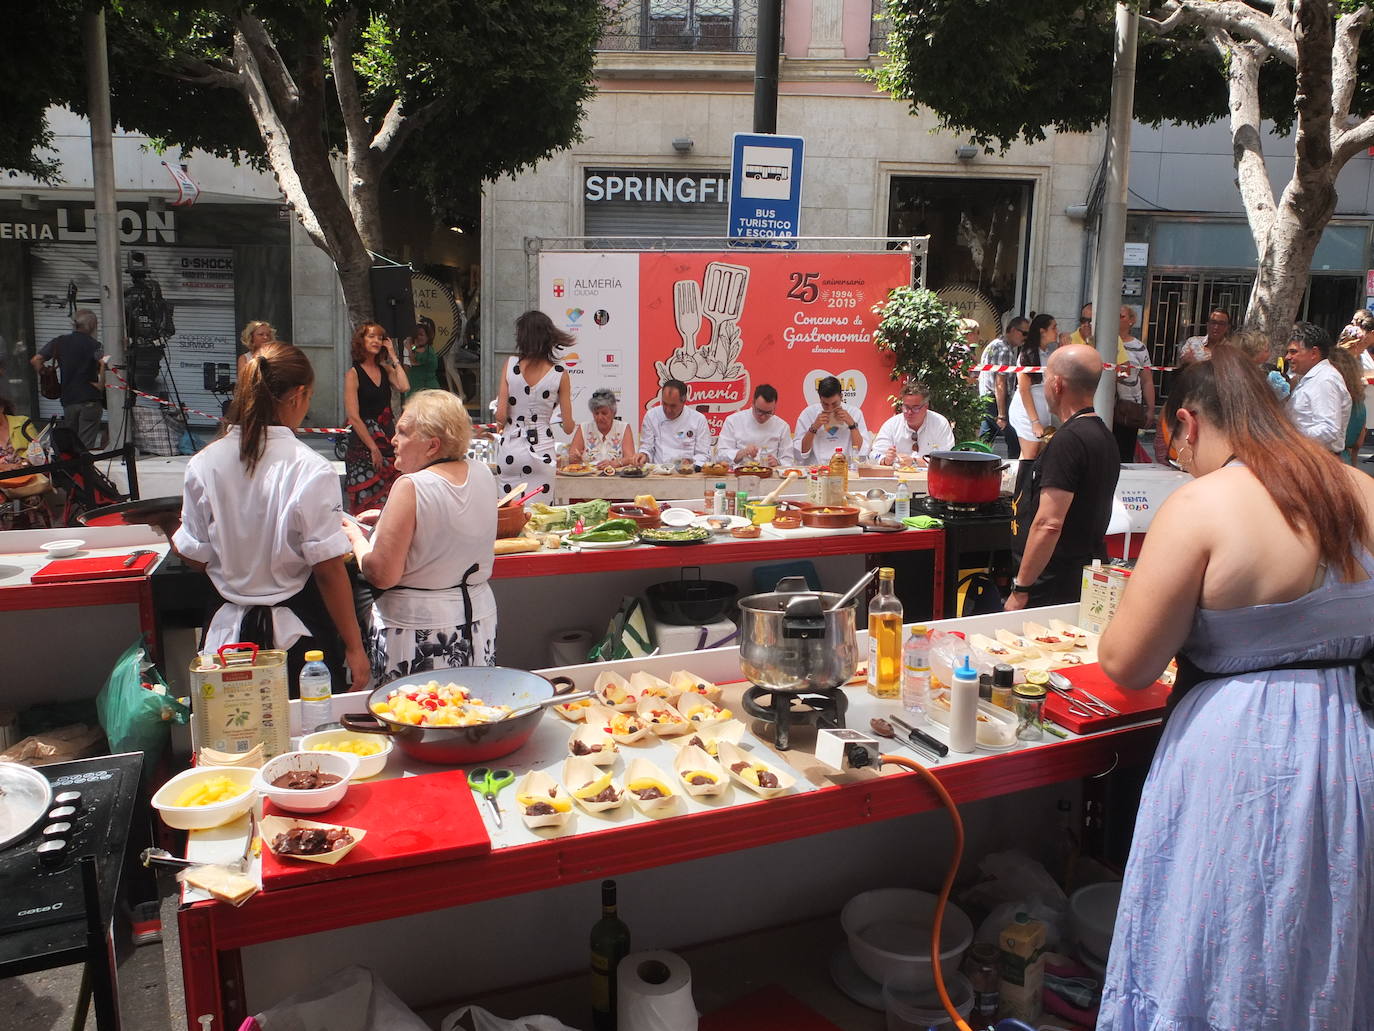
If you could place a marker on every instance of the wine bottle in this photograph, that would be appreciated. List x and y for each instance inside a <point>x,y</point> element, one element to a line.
<point>610,942</point>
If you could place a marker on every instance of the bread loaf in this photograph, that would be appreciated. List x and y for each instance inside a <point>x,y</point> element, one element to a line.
<point>516,545</point>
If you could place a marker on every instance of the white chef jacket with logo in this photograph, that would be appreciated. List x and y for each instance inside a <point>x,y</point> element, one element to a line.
<point>666,440</point>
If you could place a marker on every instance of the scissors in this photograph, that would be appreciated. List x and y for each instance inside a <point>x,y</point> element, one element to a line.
<point>488,783</point>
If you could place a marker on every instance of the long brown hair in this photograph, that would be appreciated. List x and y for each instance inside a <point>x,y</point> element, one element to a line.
<point>268,377</point>
<point>359,349</point>
<point>1307,484</point>
<point>536,337</point>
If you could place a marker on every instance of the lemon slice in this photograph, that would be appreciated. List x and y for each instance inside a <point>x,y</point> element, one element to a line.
<point>644,783</point>
<point>1037,676</point>
<point>588,791</point>
<point>562,805</point>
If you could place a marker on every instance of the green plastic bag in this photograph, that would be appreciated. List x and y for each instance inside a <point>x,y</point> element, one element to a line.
<point>135,718</point>
<point>628,635</point>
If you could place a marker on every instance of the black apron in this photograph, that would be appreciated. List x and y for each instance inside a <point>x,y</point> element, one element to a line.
<point>321,634</point>
<point>465,629</point>
<point>1190,674</point>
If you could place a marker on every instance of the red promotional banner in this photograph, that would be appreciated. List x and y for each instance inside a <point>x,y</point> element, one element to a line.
<point>725,323</point>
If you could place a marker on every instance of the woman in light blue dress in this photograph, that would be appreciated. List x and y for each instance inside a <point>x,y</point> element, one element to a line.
<point>1248,902</point>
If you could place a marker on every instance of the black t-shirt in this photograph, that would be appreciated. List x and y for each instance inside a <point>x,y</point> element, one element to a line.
<point>78,358</point>
<point>1080,458</point>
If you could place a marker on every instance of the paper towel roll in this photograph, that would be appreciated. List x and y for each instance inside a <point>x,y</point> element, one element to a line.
<point>569,647</point>
<point>654,993</point>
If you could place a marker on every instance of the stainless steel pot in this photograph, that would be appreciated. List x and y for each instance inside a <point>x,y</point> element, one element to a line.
<point>458,746</point>
<point>790,640</point>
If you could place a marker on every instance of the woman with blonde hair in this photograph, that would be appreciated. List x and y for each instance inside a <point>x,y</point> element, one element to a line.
<point>1248,899</point>
<point>431,553</point>
<point>1255,346</point>
<point>254,336</point>
<point>260,517</point>
<point>375,373</point>
<point>1349,368</point>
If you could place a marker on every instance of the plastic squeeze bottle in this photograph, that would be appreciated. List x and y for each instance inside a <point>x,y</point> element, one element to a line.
<point>963,708</point>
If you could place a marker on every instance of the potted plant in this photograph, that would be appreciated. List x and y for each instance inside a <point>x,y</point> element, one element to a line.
<point>922,334</point>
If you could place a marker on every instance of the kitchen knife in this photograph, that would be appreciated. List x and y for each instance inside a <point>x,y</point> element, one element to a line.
<point>134,556</point>
<point>920,737</point>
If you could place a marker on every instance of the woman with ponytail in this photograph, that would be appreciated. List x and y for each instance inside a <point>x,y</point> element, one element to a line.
<point>1248,900</point>
<point>261,516</point>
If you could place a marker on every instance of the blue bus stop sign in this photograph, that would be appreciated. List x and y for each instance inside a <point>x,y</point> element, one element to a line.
<point>765,190</point>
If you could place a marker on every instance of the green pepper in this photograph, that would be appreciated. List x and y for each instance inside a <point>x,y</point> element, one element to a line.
<point>623,525</point>
<point>600,536</point>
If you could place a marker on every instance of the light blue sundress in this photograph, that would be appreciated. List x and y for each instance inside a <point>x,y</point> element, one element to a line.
<point>1248,902</point>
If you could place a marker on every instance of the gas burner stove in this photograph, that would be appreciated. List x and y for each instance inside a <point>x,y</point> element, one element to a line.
<point>783,709</point>
<point>40,875</point>
<point>948,510</point>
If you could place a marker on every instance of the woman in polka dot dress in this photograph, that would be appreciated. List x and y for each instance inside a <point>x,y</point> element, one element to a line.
<point>532,384</point>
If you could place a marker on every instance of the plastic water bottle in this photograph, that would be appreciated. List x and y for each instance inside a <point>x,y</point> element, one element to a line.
<point>316,692</point>
<point>901,507</point>
<point>916,671</point>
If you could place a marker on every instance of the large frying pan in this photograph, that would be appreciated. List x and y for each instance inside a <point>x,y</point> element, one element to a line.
<point>458,746</point>
<point>148,512</point>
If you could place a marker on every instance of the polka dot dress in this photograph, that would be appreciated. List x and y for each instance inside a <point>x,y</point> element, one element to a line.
<point>527,440</point>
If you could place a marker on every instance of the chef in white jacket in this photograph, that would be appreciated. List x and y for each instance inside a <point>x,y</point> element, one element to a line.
<point>915,430</point>
<point>673,431</point>
<point>756,433</point>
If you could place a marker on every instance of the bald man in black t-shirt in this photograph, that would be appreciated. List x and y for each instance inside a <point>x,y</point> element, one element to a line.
<point>1063,504</point>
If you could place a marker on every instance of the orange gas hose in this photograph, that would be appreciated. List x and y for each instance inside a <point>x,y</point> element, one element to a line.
<point>948,884</point>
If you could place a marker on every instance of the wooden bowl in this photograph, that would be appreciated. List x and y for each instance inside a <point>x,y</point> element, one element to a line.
<point>510,520</point>
<point>645,519</point>
<point>829,517</point>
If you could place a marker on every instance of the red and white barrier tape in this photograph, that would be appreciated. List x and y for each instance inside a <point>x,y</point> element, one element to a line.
<point>124,385</point>
<point>1041,368</point>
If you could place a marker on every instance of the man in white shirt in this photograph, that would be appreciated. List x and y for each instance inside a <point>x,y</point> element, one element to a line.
<point>915,430</point>
<point>827,425</point>
<point>756,433</point>
<point>1320,403</point>
<point>1199,348</point>
<point>672,430</point>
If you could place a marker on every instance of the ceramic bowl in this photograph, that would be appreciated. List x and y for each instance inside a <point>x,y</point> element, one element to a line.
<point>62,549</point>
<point>368,765</point>
<point>889,936</point>
<point>315,800</point>
<point>1092,909</point>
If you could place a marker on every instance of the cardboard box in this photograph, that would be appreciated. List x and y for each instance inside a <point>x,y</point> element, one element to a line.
<point>241,700</point>
<point>1101,594</point>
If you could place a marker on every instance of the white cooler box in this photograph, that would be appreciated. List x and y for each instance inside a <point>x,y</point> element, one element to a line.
<point>672,638</point>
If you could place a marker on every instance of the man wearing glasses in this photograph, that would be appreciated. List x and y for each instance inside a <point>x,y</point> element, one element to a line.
<point>915,431</point>
<point>828,425</point>
<point>756,433</point>
<point>1320,403</point>
<point>1199,348</point>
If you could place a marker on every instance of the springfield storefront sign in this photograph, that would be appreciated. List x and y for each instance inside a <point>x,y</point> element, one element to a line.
<point>724,323</point>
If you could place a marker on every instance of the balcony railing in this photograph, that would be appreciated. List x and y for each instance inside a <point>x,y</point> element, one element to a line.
<point>714,26</point>
<point>877,39</point>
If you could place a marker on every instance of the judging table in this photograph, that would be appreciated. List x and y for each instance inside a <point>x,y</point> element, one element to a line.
<point>212,934</point>
<point>692,485</point>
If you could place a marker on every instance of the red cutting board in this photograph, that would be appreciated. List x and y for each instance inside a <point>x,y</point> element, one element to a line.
<point>99,567</point>
<point>1134,705</point>
<point>409,821</point>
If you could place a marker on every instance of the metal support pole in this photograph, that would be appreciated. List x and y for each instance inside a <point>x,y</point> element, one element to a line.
<point>111,330</point>
<point>768,43</point>
<point>1112,236</point>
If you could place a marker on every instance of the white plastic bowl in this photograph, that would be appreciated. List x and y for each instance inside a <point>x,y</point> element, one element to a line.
<point>677,517</point>
<point>1092,909</point>
<point>62,549</point>
<point>889,936</point>
<point>368,765</point>
<point>314,801</point>
<point>201,817</point>
<point>922,1011</point>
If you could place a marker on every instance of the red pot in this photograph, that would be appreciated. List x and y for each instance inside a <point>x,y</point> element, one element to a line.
<point>964,477</point>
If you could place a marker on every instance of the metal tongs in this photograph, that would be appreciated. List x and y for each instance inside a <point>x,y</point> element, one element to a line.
<point>1087,703</point>
<point>151,857</point>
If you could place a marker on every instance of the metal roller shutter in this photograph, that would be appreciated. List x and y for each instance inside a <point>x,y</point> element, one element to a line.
<point>197,281</point>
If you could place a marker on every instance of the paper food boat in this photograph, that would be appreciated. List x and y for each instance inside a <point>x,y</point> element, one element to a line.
<point>614,692</point>
<point>661,718</point>
<point>684,682</point>
<point>1080,637</point>
<point>1017,642</point>
<point>1044,638</point>
<point>535,787</point>
<point>599,747</point>
<point>642,774</point>
<point>625,727</point>
<point>692,760</point>
<point>271,826</point>
<point>709,738</point>
<point>576,711</point>
<point>998,651</point>
<point>701,711</point>
<point>585,780</point>
<point>732,755</point>
<point>646,685</point>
